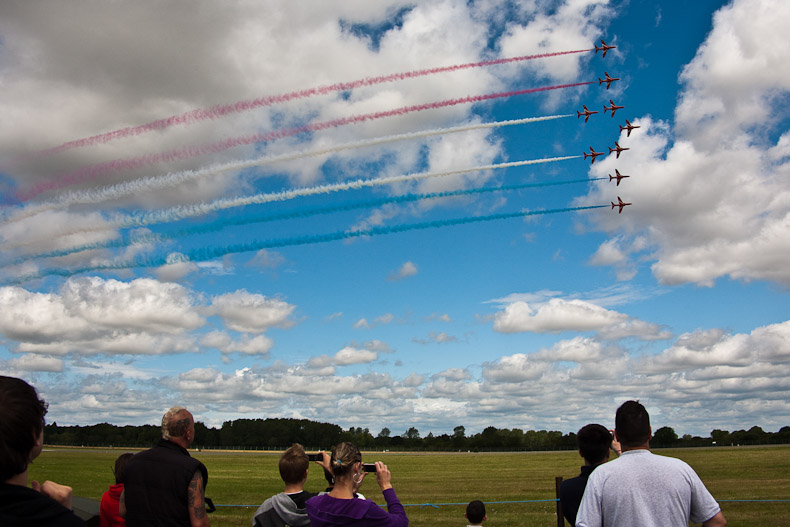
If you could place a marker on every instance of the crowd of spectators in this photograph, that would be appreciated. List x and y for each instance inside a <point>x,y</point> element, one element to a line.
<point>164,485</point>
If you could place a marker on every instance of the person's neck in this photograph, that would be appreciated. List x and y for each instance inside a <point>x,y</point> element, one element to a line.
<point>18,479</point>
<point>343,489</point>
<point>294,488</point>
<point>180,441</point>
<point>644,446</point>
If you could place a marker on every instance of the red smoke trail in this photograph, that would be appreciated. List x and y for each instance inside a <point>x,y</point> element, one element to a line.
<point>88,173</point>
<point>220,110</point>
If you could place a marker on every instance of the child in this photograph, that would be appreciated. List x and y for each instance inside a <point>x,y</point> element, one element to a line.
<point>108,509</point>
<point>475,513</point>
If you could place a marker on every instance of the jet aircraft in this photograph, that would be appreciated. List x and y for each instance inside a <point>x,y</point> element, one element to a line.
<point>628,126</point>
<point>592,154</point>
<point>613,107</point>
<point>617,149</point>
<point>603,48</point>
<point>586,113</point>
<point>620,204</point>
<point>607,79</point>
<point>618,177</point>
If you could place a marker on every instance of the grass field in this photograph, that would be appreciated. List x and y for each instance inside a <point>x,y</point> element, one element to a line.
<point>247,478</point>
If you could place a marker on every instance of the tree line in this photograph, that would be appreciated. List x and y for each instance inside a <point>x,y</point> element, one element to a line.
<point>279,433</point>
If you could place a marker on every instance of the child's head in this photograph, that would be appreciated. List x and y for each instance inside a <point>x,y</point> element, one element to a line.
<point>475,512</point>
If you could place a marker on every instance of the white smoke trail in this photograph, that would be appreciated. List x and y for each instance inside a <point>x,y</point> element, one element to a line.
<point>153,183</point>
<point>200,209</point>
<point>125,221</point>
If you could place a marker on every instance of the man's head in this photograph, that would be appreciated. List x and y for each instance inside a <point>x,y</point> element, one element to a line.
<point>21,426</point>
<point>178,426</point>
<point>475,512</point>
<point>294,464</point>
<point>632,424</point>
<point>594,441</point>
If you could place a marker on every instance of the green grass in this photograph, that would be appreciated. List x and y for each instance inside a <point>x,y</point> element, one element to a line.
<point>439,478</point>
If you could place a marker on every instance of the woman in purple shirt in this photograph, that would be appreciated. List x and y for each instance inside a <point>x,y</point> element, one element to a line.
<point>341,508</point>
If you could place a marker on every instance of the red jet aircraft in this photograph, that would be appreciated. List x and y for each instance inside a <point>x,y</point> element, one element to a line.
<point>613,107</point>
<point>603,48</point>
<point>593,154</point>
<point>586,113</point>
<point>618,177</point>
<point>618,149</point>
<point>620,204</point>
<point>628,126</point>
<point>607,79</point>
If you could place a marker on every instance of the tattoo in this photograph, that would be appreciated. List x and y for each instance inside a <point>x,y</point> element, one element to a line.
<point>195,496</point>
<point>179,428</point>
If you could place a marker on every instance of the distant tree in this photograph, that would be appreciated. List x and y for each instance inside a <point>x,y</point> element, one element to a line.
<point>412,433</point>
<point>664,436</point>
<point>459,437</point>
<point>720,437</point>
<point>385,432</point>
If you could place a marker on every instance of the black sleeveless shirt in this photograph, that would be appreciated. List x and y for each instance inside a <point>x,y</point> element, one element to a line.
<point>155,486</point>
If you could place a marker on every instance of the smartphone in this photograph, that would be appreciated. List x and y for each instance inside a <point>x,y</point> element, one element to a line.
<point>369,467</point>
<point>315,457</point>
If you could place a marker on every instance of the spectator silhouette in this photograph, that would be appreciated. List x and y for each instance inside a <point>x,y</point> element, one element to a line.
<point>21,440</point>
<point>164,485</point>
<point>340,507</point>
<point>109,513</point>
<point>594,443</point>
<point>288,507</point>
<point>475,513</point>
<point>641,488</point>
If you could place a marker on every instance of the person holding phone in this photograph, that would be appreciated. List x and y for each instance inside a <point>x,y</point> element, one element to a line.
<point>339,507</point>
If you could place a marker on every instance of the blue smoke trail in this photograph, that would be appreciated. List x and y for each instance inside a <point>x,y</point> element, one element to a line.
<point>223,223</point>
<point>210,253</point>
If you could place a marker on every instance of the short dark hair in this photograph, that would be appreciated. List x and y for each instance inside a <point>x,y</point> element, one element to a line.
<point>632,424</point>
<point>120,466</point>
<point>20,426</point>
<point>293,464</point>
<point>594,441</point>
<point>476,511</point>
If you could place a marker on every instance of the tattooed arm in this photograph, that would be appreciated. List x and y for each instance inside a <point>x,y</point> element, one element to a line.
<point>196,504</point>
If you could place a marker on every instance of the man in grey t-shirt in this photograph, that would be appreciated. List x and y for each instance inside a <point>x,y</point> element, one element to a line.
<point>641,488</point>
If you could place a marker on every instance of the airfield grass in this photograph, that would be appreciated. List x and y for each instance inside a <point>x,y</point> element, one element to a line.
<point>448,481</point>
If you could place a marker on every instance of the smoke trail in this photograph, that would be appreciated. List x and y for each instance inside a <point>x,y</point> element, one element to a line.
<point>210,253</point>
<point>235,222</point>
<point>242,106</point>
<point>174,179</point>
<point>91,172</point>
<point>125,221</point>
<point>179,213</point>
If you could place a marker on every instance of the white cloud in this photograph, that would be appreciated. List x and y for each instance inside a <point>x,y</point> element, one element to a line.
<point>251,313</point>
<point>349,355</point>
<point>406,270</point>
<point>554,316</point>
<point>31,362</point>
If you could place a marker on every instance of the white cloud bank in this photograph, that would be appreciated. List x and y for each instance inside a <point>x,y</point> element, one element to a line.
<point>710,191</point>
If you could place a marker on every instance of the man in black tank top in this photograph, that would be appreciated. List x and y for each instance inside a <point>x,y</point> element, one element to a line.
<point>164,485</point>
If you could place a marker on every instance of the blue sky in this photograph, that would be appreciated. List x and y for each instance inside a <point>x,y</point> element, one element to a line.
<point>543,321</point>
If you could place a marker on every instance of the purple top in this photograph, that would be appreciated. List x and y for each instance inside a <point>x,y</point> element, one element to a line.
<point>326,511</point>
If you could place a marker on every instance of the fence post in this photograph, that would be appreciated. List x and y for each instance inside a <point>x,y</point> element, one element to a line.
<point>560,518</point>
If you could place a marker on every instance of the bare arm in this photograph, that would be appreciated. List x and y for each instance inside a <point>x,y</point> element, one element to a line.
<point>196,503</point>
<point>60,493</point>
<point>717,521</point>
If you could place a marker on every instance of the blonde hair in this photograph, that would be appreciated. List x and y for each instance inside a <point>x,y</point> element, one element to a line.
<point>344,456</point>
<point>173,424</point>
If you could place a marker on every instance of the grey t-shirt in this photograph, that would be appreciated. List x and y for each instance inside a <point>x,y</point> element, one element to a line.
<point>641,488</point>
